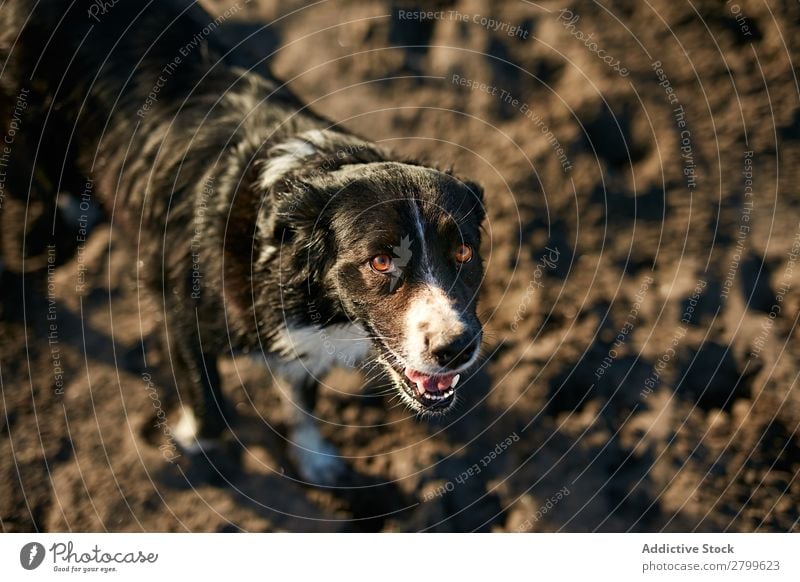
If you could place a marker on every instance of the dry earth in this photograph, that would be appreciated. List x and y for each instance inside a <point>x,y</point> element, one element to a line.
<point>628,404</point>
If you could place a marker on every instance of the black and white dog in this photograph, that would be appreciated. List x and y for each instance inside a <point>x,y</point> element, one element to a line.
<point>258,225</point>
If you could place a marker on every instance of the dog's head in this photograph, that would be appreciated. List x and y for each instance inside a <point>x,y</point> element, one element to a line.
<point>396,247</point>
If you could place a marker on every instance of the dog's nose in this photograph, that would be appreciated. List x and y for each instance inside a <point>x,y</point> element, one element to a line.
<point>452,353</point>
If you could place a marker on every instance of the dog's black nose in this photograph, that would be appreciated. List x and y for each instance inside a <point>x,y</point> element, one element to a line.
<point>453,353</point>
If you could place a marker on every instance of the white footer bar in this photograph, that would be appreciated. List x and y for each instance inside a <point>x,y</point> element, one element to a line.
<point>389,557</point>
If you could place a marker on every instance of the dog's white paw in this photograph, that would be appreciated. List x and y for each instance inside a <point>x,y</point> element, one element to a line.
<point>316,460</point>
<point>185,435</point>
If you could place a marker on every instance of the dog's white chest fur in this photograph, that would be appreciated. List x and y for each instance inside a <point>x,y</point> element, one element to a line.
<point>316,350</point>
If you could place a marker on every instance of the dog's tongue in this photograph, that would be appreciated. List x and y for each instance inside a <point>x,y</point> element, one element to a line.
<point>430,383</point>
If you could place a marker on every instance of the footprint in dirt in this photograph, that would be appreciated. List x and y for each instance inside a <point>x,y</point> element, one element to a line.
<point>613,132</point>
<point>755,287</point>
<point>711,377</point>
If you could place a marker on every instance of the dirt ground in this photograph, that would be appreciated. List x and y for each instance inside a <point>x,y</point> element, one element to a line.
<point>641,164</point>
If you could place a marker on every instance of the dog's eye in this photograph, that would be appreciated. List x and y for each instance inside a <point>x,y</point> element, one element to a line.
<point>463,253</point>
<point>382,263</point>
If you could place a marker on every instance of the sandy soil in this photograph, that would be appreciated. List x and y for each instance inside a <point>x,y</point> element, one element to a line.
<point>641,302</point>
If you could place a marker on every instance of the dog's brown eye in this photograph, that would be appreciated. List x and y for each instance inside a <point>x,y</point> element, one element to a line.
<point>382,263</point>
<point>463,253</point>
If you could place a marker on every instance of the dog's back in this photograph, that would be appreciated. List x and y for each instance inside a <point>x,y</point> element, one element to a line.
<point>104,67</point>
<point>122,91</point>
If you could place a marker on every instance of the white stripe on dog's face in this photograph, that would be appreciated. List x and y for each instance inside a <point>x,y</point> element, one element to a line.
<point>431,319</point>
<point>427,269</point>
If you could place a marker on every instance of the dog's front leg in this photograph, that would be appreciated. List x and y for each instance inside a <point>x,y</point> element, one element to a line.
<point>317,461</point>
<point>205,414</point>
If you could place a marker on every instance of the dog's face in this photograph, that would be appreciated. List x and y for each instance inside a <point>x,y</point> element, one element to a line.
<point>400,245</point>
<point>408,268</point>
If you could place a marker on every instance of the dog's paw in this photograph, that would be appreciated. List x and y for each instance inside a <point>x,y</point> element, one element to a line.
<point>215,461</point>
<point>317,461</point>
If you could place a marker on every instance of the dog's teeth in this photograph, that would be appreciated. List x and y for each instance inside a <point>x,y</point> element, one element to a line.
<point>456,378</point>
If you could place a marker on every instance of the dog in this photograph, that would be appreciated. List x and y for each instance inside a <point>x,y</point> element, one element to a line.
<point>259,225</point>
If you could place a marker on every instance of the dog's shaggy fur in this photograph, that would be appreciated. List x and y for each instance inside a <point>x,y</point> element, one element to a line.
<point>255,221</point>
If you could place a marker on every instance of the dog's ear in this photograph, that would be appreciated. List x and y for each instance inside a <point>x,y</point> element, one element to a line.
<point>297,180</point>
<point>475,188</point>
<point>298,228</point>
<point>296,208</point>
<point>477,193</point>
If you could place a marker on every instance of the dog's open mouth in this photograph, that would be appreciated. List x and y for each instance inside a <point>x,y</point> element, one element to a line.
<point>427,392</point>
<point>432,388</point>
